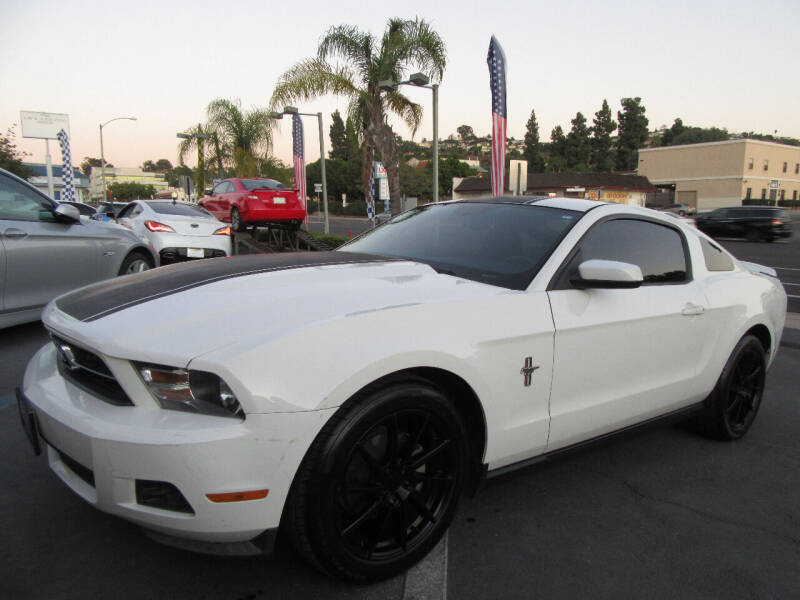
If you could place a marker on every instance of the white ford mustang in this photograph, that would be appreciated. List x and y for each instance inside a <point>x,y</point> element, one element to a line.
<point>352,396</point>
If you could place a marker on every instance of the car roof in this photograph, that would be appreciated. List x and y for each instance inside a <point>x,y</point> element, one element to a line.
<point>576,204</point>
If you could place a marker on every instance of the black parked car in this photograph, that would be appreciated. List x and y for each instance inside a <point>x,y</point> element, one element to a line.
<point>754,223</point>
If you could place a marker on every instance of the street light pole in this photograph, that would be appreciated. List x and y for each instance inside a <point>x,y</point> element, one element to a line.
<point>421,80</point>
<point>435,88</point>
<point>102,154</point>
<point>292,110</point>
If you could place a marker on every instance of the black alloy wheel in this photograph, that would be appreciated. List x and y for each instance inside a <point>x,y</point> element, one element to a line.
<point>732,406</point>
<point>381,482</point>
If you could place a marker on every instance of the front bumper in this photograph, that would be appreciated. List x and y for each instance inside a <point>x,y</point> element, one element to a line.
<point>103,453</point>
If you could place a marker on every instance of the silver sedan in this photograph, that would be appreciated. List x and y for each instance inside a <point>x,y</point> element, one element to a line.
<point>176,230</point>
<point>46,249</point>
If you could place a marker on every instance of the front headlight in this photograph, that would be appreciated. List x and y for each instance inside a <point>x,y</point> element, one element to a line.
<point>190,390</point>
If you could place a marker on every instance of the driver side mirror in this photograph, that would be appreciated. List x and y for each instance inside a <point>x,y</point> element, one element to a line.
<point>67,213</point>
<point>607,274</point>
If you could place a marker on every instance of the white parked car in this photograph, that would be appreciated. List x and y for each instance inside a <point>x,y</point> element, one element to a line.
<point>353,396</point>
<point>178,231</point>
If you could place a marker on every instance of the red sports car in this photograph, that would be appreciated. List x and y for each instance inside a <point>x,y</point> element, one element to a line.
<point>255,201</point>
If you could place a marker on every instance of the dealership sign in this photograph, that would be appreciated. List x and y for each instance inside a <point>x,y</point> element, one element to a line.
<point>43,125</point>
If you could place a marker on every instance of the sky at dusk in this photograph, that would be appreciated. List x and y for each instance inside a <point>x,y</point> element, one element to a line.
<point>728,64</point>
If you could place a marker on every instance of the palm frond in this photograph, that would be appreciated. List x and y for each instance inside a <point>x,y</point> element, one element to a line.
<point>409,111</point>
<point>349,44</point>
<point>311,79</point>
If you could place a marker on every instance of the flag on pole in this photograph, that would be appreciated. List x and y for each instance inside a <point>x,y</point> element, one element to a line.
<point>67,176</point>
<point>497,81</point>
<point>371,191</point>
<point>299,161</point>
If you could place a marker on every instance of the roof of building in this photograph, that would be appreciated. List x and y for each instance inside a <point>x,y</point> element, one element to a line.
<point>537,181</point>
<point>40,170</point>
<point>722,143</point>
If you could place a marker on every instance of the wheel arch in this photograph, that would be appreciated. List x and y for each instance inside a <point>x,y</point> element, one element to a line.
<point>763,334</point>
<point>144,250</point>
<point>464,399</point>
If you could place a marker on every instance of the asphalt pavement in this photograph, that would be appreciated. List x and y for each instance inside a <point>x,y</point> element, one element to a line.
<point>662,513</point>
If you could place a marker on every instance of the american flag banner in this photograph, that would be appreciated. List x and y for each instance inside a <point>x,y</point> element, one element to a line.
<point>497,81</point>
<point>371,191</point>
<point>67,176</point>
<point>299,161</point>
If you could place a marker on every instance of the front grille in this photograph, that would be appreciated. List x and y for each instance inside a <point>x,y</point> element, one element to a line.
<point>86,474</point>
<point>88,371</point>
<point>161,494</point>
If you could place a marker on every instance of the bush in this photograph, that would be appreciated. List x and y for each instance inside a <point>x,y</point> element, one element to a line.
<point>334,241</point>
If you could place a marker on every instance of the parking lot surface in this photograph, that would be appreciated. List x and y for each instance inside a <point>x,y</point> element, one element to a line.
<point>662,513</point>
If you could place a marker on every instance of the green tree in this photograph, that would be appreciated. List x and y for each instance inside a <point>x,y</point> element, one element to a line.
<point>602,152</point>
<point>350,63</point>
<point>338,135</point>
<point>245,134</point>
<point>557,161</point>
<point>533,151</point>
<point>11,157</point>
<point>579,145</point>
<point>88,162</point>
<point>633,133</point>
<point>129,190</point>
<point>668,138</point>
<point>465,133</point>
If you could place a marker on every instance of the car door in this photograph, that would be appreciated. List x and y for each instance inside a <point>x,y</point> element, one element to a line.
<point>43,257</point>
<point>622,356</point>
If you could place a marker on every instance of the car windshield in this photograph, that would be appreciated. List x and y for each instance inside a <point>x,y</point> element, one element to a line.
<point>496,243</point>
<point>179,208</point>
<point>262,184</point>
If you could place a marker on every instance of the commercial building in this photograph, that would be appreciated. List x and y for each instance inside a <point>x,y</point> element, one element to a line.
<point>122,175</point>
<point>717,174</point>
<point>609,187</point>
<point>39,180</point>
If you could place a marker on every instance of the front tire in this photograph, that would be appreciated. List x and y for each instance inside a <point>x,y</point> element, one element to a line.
<point>732,407</point>
<point>380,484</point>
<point>135,262</point>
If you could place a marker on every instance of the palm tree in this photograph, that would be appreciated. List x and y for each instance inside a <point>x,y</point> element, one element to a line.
<point>362,60</point>
<point>246,135</point>
<point>194,140</point>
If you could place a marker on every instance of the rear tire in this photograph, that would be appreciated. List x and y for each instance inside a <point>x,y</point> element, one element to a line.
<point>236,220</point>
<point>380,484</point>
<point>732,407</point>
<point>135,262</point>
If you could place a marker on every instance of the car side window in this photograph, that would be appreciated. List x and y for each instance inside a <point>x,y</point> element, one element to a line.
<point>656,249</point>
<point>18,203</point>
<point>716,259</point>
<point>127,211</point>
<point>218,189</point>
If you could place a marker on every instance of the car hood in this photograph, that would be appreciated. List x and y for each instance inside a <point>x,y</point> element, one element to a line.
<point>173,314</point>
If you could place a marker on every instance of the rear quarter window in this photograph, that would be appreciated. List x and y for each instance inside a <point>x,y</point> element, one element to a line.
<point>716,258</point>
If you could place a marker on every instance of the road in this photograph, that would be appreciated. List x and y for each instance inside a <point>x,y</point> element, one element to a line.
<point>660,514</point>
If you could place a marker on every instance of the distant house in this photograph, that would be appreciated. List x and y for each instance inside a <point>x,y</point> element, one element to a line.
<point>610,187</point>
<point>39,180</point>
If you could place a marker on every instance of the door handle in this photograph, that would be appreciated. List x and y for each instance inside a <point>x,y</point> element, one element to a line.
<point>15,234</point>
<point>692,309</point>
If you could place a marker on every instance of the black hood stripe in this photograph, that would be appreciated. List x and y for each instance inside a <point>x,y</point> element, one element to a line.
<point>102,299</point>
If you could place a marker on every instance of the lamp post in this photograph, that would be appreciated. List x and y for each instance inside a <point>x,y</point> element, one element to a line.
<point>201,176</point>
<point>102,154</point>
<point>292,110</point>
<point>422,80</point>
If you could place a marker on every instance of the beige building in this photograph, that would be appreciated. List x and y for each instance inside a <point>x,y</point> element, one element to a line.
<point>122,174</point>
<point>719,174</point>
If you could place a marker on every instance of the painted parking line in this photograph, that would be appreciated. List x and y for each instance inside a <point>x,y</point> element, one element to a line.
<point>7,400</point>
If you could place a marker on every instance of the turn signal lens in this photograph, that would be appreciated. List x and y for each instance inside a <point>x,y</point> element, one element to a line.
<point>777,222</point>
<point>160,227</point>
<point>238,496</point>
<point>190,391</point>
<point>223,231</point>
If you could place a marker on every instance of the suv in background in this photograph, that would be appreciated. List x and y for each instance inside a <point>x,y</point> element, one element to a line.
<point>753,223</point>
